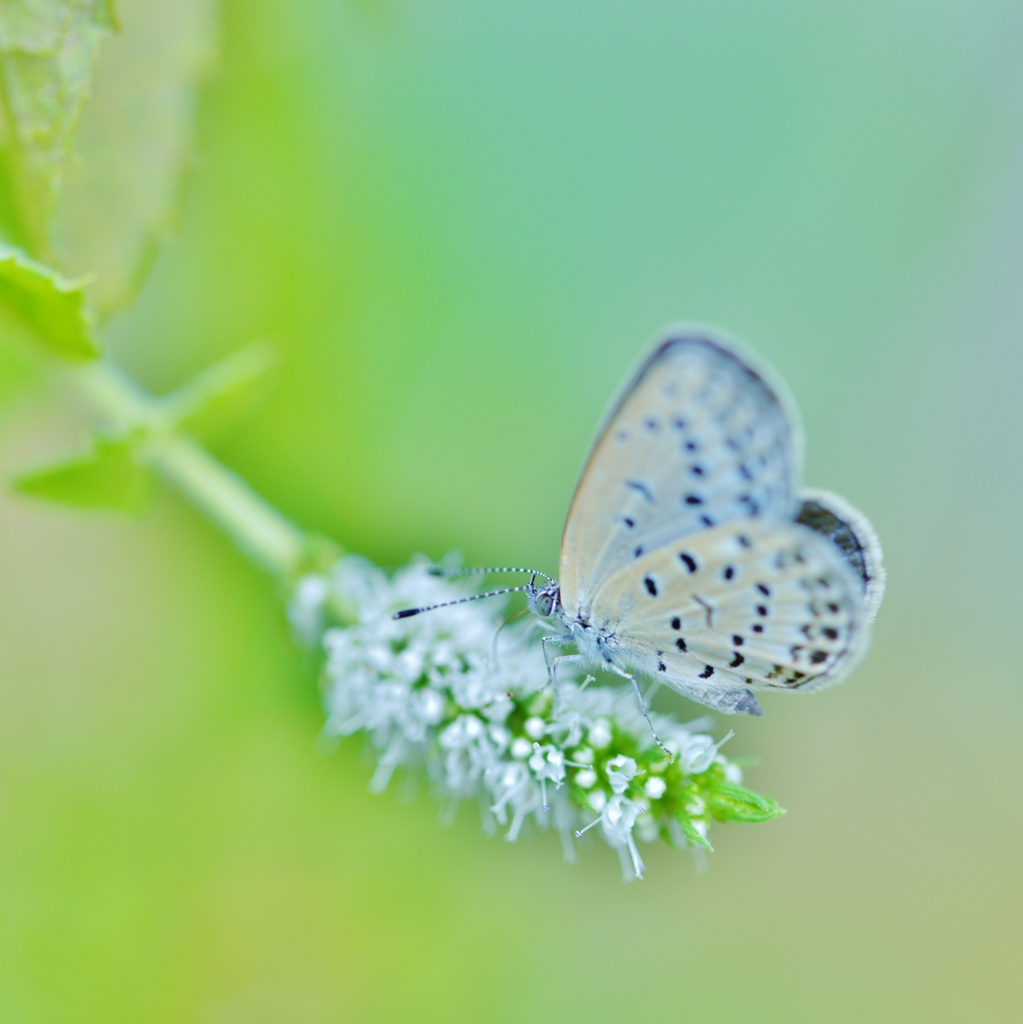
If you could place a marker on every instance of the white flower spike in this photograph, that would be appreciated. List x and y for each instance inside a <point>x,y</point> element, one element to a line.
<point>428,691</point>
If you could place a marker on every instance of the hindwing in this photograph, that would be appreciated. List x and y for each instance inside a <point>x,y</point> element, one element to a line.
<point>748,605</point>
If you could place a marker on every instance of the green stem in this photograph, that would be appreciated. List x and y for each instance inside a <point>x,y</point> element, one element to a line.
<point>270,539</point>
<point>256,526</point>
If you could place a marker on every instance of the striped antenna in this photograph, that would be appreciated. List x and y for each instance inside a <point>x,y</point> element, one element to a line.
<point>409,612</point>
<point>437,570</point>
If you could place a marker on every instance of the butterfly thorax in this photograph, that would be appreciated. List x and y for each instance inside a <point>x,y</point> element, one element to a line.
<point>594,645</point>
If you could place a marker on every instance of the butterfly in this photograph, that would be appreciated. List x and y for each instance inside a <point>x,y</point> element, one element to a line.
<point>691,554</point>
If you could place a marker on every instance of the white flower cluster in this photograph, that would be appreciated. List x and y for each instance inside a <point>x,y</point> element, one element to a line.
<point>448,691</point>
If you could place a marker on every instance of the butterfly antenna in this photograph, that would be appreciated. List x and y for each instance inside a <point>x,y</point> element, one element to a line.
<point>437,570</point>
<point>407,613</point>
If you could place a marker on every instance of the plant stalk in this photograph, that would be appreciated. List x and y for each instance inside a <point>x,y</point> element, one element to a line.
<point>266,536</point>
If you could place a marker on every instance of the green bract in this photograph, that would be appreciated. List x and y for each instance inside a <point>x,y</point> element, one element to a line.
<point>111,475</point>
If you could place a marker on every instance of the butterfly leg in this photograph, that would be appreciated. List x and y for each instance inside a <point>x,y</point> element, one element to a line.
<point>564,638</point>
<point>642,706</point>
<point>552,674</point>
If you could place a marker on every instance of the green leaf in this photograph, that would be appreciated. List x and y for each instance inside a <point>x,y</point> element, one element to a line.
<point>47,48</point>
<point>690,831</point>
<point>729,802</point>
<point>122,198</point>
<point>109,476</point>
<point>51,307</point>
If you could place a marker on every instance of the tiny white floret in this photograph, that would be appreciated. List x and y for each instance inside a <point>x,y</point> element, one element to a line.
<point>431,706</point>
<point>655,788</point>
<point>621,770</point>
<point>535,727</point>
<point>521,748</point>
<point>600,734</point>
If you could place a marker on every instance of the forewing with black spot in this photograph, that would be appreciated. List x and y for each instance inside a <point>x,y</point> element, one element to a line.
<point>701,436</point>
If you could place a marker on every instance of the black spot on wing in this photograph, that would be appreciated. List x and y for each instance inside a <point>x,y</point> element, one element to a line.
<point>681,644</point>
<point>641,488</point>
<point>737,660</point>
<point>687,560</point>
<point>707,672</point>
<point>651,585</point>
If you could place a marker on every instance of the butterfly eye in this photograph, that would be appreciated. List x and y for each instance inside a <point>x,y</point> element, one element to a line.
<point>544,604</point>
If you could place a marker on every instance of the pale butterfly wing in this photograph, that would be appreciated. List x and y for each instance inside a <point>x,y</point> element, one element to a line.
<point>701,435</point>
<point>748,605</point>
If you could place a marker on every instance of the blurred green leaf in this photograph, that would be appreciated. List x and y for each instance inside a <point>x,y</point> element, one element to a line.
<point>17,373</point>
<point>109,476</point>
<point>136,145</point>
<point>49,305</point>
<point>220,393</point>
<point>47,48</point>
<point>729,802</point>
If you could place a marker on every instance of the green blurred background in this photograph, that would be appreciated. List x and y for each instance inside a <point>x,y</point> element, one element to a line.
<point>460,222</point>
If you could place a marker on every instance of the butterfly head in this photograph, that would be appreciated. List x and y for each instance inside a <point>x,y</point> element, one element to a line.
<point>544,600</point>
